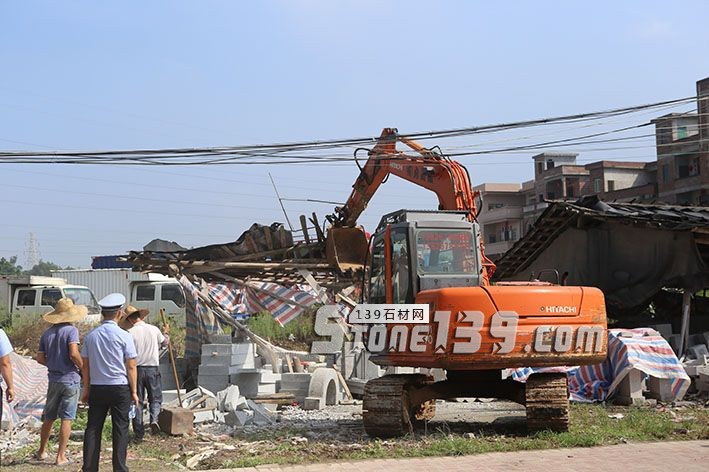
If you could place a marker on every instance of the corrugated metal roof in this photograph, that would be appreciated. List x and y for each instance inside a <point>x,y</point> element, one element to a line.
<point>560,215</point>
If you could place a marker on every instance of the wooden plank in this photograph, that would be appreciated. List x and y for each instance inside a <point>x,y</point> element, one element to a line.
<point>318,229</point>
<point>304,228</point>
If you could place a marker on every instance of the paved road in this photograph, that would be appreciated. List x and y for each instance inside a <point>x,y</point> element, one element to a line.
<point>678,456</point>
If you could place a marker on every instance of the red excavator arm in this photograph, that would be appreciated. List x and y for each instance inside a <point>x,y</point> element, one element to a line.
<point>446,178</point>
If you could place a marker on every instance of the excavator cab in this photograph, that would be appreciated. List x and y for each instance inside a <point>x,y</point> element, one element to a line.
<point>421,250</point>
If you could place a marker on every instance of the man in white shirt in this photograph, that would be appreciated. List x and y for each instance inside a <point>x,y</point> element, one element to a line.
<point>148,341</point>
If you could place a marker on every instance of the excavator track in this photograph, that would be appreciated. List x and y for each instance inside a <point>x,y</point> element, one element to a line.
<point>387,410</point>
<point>547,402</point>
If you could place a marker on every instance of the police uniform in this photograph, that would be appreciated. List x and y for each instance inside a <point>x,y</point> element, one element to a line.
<point>107,348</point>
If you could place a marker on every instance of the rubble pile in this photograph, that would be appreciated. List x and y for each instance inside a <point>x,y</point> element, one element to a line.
<point>696,361</point>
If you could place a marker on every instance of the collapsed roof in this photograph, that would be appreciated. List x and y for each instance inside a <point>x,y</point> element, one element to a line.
<point>628,250</point>
<point>262,253</point>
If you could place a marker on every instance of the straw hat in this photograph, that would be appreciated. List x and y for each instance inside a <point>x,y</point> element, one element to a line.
<point>65,312</point>
<point>130,309</point>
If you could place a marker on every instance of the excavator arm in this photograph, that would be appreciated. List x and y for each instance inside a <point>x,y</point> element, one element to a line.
<point>446,178</point>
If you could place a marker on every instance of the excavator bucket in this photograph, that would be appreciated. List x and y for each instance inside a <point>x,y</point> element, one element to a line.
<point>346,248</point>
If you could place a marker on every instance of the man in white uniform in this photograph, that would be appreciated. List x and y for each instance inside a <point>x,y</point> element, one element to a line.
<point>148,340</point>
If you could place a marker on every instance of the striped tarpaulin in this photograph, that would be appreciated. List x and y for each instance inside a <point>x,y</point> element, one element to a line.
<point>30,379</point>
<point>642,349</point>
<point>284,303</point>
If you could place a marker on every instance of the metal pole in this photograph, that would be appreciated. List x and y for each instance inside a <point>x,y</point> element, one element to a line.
<point>280,202</point>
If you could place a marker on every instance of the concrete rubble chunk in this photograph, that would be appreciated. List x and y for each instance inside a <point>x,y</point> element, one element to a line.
<point>698,351</point>
<point>230,399</point>
<point>313,403</point>
<point>238,418</point>
<point>261,414</point>
<point>325,385</point>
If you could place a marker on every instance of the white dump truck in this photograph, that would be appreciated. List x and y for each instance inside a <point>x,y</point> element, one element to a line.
<point>27,296</point>
<point>142,290</point>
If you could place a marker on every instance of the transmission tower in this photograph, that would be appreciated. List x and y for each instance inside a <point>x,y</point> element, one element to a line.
<point>32,252</point>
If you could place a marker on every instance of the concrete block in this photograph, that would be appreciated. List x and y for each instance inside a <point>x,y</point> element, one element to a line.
<point>267,376</point>
<point>705,335</point>
<point>203,416</point>
<point>698,351</point>
<point>630,389</point>
<point>295,378</point>
<point>261,414</point>
<point>170,396</point>
<point>660,389</point>
<point>176,421</point>
<point>238,418</point>
<point>220,338</point>
<point>325,385</point>
<point>248,383</point>
<point>229,399</point>
<point>313,403</point>
<point>665,330</point>
<point>266,388</point>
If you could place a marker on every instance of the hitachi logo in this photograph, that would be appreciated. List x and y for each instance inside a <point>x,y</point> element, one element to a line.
<point>558,309</point>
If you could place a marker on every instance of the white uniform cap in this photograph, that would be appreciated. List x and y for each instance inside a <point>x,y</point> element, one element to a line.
<point>112,301</point>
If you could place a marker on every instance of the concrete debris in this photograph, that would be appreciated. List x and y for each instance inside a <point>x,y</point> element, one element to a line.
<point>239,418</point>
<point>261,414</point>
<point>194,461</point>
<point>230,399</point>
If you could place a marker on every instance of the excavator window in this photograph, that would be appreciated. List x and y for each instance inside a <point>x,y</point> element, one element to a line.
<point>377,284</point>
<point>401,267</point>
<point>445,251</point>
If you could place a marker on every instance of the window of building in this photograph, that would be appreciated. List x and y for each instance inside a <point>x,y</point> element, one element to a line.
<point>491,238</point>
<point>550,164</point>
<point>145,293</point>
<point>173,292</point>
<point>681,132</point>
<point>492,206</point>
<point>611,185</point>
<point>687,165</point>
<point>50,296</point>
<point>26,297</point>
<point>665,173</point>
<point>597,186</point>
<point>541,197</point>
<point>570,192</point>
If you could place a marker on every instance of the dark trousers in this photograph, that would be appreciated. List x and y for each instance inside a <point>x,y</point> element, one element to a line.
<point>102,398</point>
<point>148,382</point>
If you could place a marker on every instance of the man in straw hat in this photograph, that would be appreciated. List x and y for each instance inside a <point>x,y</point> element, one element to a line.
<point>59,351</point>
<point>109,382</point>
<point>148,340</point>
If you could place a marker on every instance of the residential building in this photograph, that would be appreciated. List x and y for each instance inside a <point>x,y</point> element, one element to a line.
<point>680,176</point>
<point>500,217</point>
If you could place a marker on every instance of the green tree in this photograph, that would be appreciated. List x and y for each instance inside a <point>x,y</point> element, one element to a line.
<point>44,268</point>
<point>9,266</point>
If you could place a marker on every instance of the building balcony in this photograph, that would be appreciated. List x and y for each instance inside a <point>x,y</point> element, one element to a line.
<point>500,214</point>
<point>498,248</point>
<point>534,207</point>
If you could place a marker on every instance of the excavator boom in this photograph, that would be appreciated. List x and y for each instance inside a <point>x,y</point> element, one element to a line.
<point>448,179</point>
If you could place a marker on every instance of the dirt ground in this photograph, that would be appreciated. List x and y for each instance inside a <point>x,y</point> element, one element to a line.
<point>336,433</point>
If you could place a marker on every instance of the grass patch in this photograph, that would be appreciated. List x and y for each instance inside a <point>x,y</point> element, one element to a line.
<point>590,426</point>
<point>297,334</point>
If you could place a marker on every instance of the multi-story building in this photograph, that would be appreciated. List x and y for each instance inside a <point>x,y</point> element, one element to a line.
<point>682,142</point>
<point>679,176</point>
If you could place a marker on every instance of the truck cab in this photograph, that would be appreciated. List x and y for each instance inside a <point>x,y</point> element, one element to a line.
<point>26,297</point>
<point>156,295</point>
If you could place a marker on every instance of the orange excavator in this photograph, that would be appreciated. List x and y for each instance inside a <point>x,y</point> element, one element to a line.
<point>476,331</point>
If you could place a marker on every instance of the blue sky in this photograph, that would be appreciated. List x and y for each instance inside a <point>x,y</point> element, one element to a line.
<point>93,75</point>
